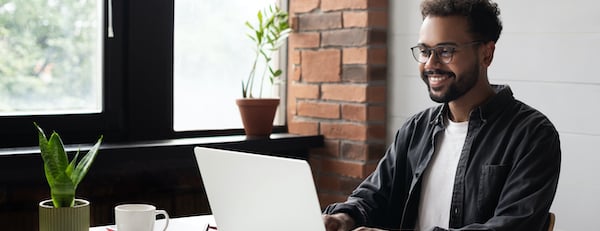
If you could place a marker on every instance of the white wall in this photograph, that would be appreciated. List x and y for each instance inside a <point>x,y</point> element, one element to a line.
<point>547,53</point>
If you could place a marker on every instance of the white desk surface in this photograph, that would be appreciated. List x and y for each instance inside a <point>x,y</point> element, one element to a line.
<point>193,223</point>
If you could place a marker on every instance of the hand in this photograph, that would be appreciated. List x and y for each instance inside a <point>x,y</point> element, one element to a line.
<point>338,222</point>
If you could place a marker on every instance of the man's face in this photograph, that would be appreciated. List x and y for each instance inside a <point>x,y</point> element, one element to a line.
<point>448,82</point>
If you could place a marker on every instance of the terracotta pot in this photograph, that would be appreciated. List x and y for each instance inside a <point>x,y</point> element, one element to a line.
<point>257,115</point>
<point>76,218</point>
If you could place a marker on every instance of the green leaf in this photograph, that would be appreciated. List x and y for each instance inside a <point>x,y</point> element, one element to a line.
<point>275,73</point>
<point>265,55</point>
<point>85,163</point>
<point>271,70</point>
<point>259,37</point>
<point>63,192</point>
<point>71,166</point>
<point>51,172</point>
<point>53,155</point>
<point>251,37</point>
<point>56,154</point>
<point>249,25</point>
<point>260,19</point>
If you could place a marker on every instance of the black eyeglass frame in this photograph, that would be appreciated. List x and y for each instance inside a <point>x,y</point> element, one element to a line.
<point>418,50</point>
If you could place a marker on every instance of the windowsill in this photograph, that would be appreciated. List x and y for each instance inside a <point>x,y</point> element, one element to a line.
<point>284,144</point>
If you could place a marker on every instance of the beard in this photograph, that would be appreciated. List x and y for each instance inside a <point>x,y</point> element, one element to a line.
<point>460,86</point>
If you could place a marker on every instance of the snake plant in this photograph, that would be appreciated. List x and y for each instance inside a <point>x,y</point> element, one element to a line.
<point>63,176</point>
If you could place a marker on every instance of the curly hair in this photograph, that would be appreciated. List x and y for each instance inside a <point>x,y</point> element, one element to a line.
<point>482,15</point>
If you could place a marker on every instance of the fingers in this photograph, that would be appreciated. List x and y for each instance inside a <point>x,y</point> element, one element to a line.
<point>331,223</point>
<point>338,222</point>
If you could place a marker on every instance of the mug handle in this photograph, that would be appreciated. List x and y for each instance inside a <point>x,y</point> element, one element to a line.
<point>164,213</point>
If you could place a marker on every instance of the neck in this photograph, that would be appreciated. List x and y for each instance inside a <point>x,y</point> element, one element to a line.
<point>461,108</point>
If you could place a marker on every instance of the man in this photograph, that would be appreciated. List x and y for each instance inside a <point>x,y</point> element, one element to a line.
<point>481,160</point>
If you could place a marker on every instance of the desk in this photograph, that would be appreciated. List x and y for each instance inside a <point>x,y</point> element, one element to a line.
<point>193,223</point>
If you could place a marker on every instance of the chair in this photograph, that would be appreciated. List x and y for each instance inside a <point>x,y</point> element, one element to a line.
<point>551,220</point>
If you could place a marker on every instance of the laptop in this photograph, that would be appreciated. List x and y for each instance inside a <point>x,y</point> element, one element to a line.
<point>259,192</point>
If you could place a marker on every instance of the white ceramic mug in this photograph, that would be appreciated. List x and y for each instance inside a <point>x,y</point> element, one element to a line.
<point>138,217</point>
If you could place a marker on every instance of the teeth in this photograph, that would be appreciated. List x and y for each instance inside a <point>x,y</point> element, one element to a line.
<point>437,79</point>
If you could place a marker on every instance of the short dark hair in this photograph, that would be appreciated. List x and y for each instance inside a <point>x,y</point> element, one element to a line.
<point>482,15</point>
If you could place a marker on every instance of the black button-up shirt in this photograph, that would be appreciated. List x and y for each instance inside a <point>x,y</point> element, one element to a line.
<point>506,176</point>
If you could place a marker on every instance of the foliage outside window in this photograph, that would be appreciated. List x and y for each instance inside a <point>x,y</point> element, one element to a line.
<point>51,57</point>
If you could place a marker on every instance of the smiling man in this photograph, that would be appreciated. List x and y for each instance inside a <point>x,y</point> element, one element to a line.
<point>481,160</point>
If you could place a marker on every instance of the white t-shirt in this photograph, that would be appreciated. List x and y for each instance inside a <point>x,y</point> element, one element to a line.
<point>438,179</point>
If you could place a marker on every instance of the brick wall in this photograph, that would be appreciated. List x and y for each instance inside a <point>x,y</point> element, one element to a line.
<point>337,88</point>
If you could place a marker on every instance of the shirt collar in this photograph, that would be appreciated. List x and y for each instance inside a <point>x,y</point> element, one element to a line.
<point>493,106</point>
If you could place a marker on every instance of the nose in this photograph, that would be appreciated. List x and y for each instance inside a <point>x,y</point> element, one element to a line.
<point>433,61</point>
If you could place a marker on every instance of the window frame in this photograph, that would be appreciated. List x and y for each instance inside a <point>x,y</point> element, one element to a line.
<point>137,86</point>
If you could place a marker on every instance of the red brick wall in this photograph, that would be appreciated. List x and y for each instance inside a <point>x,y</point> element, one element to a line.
<point>337,88</point>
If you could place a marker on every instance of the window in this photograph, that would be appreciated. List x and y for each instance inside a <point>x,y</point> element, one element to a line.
<point>51,57</point>
<point>212,55</point>
<point>51,70</point>
<point>133,99</point>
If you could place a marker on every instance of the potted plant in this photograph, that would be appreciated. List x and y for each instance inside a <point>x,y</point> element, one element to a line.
<point>63,212</point>
<point>268,35</point>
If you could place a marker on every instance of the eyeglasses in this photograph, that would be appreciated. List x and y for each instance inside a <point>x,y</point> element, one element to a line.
<point>443,52</point>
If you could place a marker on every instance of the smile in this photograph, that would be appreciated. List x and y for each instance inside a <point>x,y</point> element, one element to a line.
<point>437,78</point>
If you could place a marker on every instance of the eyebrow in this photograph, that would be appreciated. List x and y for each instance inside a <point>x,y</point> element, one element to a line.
<point>439,44</point>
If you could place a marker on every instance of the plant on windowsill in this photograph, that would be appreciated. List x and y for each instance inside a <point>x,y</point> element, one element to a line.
<point>63,212</point>
<point>270,32</point>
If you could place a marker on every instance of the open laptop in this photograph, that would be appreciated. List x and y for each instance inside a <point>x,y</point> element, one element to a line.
<point>258,192</point>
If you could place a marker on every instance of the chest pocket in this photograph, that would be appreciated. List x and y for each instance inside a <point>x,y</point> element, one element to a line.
<point>491,181</point>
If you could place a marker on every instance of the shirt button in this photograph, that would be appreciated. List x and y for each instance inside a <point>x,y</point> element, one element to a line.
<point>455,211</point>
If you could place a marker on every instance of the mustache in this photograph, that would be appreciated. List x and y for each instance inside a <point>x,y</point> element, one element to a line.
<point>438,72</point>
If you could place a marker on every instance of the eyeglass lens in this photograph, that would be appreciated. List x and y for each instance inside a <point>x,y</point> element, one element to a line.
<point>422,54</point>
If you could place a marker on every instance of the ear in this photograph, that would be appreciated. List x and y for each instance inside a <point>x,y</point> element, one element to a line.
<point>488,53</point>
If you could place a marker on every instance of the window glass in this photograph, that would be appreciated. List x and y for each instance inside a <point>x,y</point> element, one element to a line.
<point>51,57</point>
<point>212,55</point>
